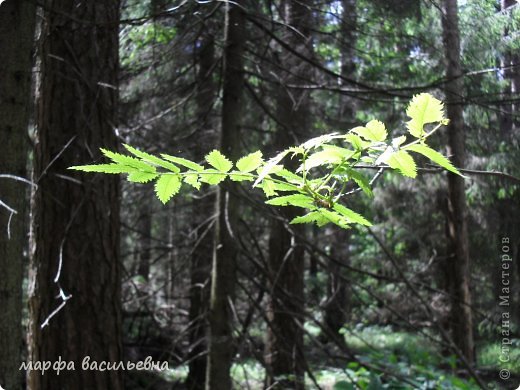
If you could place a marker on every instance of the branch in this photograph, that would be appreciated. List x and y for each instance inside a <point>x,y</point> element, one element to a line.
<point>440,170</point>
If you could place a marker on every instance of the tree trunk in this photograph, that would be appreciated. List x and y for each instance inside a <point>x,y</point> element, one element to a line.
<point>461,322</point>
<point>337,306</point>
<point>75,232</point>
<point>203,209</point>
<point>221,346</point>
<point>16,40</point>
<point>144,228</point>
<point>284,346</point>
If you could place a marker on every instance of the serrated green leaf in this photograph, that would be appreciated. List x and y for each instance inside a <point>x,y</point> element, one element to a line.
<point>433,155</point>
<point>183,162</point>
<point>152,159</point>
<point>142,177</point>
<point>269,167</point>
<point>350,215</point>
<point>239,176</point>
<point>334,217</point>
<point>212,176</point>
<point>329,155</point>
<point>320,140</point>
<point>218,161</point>
<point>361,181</point>
<point>373,131</point>
<point>403,162</point>
<point>105,168</point>
<point>356,141</point>
<point>289,176</point>
<point>250,162</point>
<point>298,200</point>
<point>167,186</point>
<point>313,216</point>
<point>268,187</point>
<point>193,180</point>
<point>121,159</point>
<point>423,109</point>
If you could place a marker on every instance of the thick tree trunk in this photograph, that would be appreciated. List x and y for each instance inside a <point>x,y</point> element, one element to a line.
<point>75,234</point>
<point>17,20</point>
<point>203,209</point>
<point>337,306</point>
<point>284,346</point>
<point>221,346</point>
<point>461,322</point>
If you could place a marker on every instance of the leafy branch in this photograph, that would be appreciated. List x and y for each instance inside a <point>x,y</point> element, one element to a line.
<point>327,164</point>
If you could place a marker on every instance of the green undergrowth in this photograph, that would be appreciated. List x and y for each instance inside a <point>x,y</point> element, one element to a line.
<point>387,359</point>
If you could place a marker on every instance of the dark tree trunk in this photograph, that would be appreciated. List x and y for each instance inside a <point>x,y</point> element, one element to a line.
<point>221,346</point>
<point>144,228</point>
<point>461,322</point>
<point>284,346</point>
<point>203,210</point>
<point>76,222</point>
<point>16,40</point>
<point>337,304</point>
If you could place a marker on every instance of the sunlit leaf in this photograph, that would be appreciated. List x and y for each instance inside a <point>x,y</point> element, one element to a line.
<point>250,162</point>
<point>167,186</point>
<point>218,161</point>
<point>423,109</point>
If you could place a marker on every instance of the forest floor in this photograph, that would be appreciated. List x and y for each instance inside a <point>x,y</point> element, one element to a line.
<point>413,359</point>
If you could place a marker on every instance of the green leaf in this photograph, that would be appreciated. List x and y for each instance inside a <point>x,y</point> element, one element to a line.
<point>313,216</point>
<point>343,385</point>
<point>184,162</point>
<point>152,159</point>
<point>250,162</point>
<point>142,177</point>
<point>121,159</point>
<point>218,161</point>
<point>423,109</point>
<point>212,176</point>
<point>289,176</point>
<point>403,162</point>
<point>167,186</point>
<point>350,215</point>
<point>298,200</point>
<point>105,168</point>
<point>193,180</point>
<point>433,155</point>
<point>329,155</point>
<point>239,176</point>
<point>334,217</point>
<point>320,140</point>
<point>268,187</point>
<point>373,131</point>
<point>361,181</point>
<point>269,167</point>
<point>356,141</point>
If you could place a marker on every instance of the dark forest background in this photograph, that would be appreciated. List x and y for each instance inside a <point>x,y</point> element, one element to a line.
<point>216,282</point>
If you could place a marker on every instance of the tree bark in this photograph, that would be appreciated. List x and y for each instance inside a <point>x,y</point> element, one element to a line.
<point>284,345</point>
<point>221,346</point>
<point>203,208</point>
<point>75,231</point>
<point>17,20</point>
<point>461,322</point>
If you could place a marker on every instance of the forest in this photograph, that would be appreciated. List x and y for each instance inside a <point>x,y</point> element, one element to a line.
<point>259,194</point>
